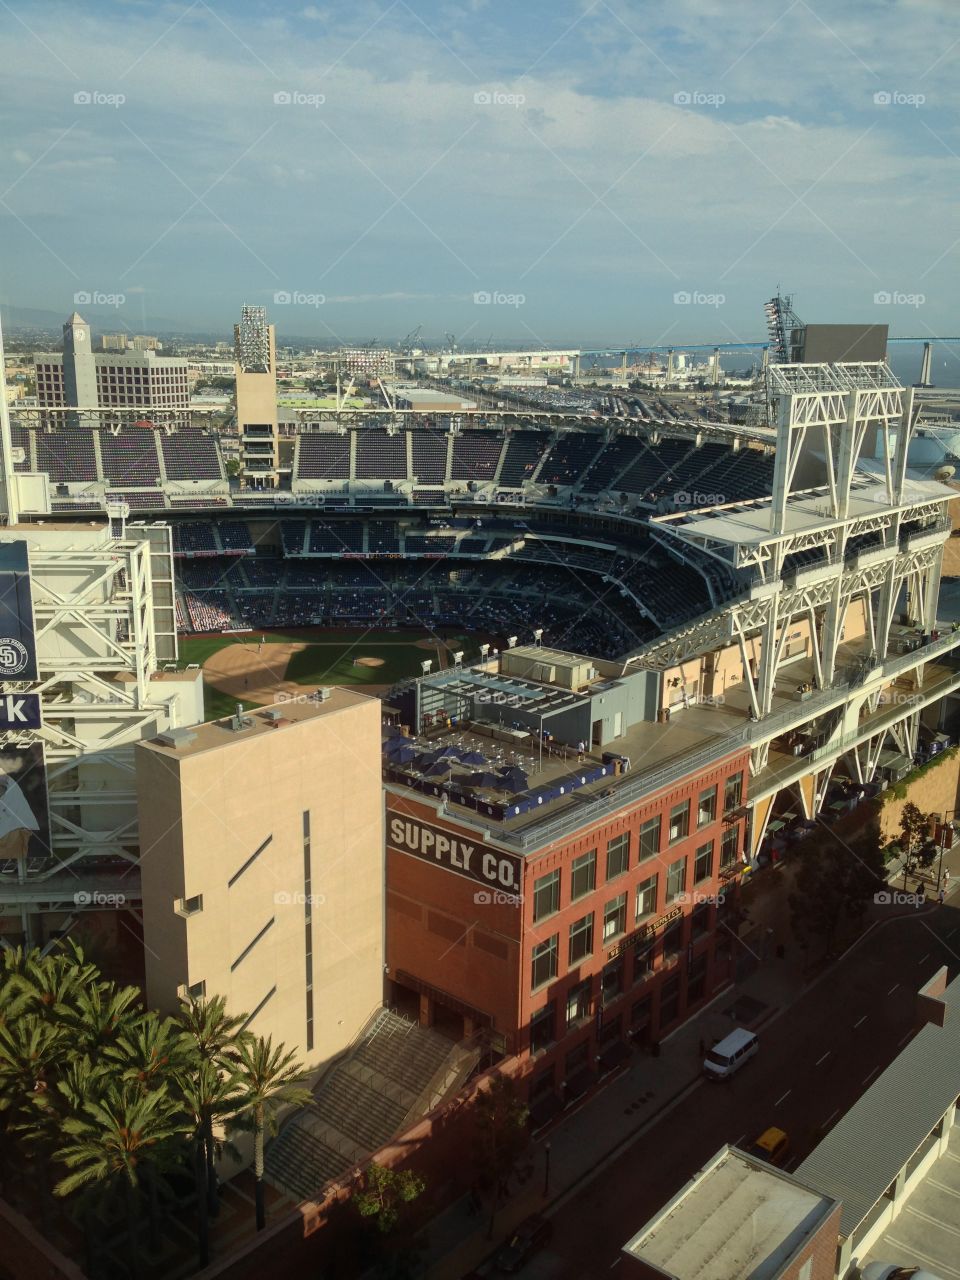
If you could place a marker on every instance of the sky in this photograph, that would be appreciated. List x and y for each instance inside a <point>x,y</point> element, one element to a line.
<point>535,171</point>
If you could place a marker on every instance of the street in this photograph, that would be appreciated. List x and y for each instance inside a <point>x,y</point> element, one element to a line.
<point>815,1060</point>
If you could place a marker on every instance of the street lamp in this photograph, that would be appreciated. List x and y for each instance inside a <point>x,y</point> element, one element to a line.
<point>546,1169</point>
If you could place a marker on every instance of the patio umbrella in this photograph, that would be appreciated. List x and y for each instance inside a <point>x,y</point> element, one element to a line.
<point>404,755</point>
<point>437,770</point>
<point>515,780</point>
<point>447,753</point>
<point>484,779</point>
<point>473,758</point>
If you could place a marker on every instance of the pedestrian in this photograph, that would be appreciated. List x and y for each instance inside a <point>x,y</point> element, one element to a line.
<point>946,879</point>
<point>941,895</point>
<point>581,747</point>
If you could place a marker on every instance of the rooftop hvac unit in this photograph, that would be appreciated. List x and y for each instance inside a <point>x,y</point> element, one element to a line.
<point>273,715</point>
<point>177,738</point>
<point>323,694</point>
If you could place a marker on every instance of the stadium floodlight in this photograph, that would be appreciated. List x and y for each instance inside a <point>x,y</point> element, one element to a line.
<point>511,641</point>
<point>425,666</point>
<point>458,657</point>
<point>538,634</point>
<point>484,650</point>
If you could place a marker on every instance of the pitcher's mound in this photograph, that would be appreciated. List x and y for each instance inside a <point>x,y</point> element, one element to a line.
<point>368,662</point>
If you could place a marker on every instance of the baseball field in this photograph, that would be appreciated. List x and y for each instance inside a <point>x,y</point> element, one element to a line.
<point>258,666</point>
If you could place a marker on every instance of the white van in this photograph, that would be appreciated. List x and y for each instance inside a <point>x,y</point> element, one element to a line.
<point>730,1054</point>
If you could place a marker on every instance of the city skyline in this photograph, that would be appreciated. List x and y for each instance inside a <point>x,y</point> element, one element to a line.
<point>481,171</point>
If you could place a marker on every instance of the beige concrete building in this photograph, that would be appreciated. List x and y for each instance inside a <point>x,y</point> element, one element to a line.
<point>256,356</point>
<point>262,868</point>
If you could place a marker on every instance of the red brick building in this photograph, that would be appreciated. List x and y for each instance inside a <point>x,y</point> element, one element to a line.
<point>566,947</point>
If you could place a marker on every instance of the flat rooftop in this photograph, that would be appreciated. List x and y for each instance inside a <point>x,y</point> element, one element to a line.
<point>256,722</point>
<point>748,523</point>
<point>737,1217</point>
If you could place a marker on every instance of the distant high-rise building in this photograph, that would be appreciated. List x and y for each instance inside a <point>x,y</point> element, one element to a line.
<point>256,356</point>
<point>87,379</point>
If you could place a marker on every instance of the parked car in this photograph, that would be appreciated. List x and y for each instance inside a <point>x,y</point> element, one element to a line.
<point>531,1235</point>
<point>772,1146</point>
<point>890,1271</point>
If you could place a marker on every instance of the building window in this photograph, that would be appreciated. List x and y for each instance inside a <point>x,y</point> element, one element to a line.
<point>650,838</point>
<point>615,917</point>
<point>732,792</point>
<point>189,906</point>
<point>578,1002</point>
<point>647,897</point>
<point>546,896</point>
<point>640,1013</point>
<point>198,990</point>
<point>611,983</point>
<point>679,821</point>
<point>670,1001</point>
<point>672,941</point>
<point>610,1030</point>
<point>581,939</point>
<point>703,863</point>
<point>583,875</point>
<point>697,978</point>
<point>707,807</point>
<point>618,855</point>
<point>544,966</point>
<point>700,921</point>
<point>542,1029</point>
<point>643,960</point>
<point>577,1059</point>
<point>676,878</point>
<point>730,846</point>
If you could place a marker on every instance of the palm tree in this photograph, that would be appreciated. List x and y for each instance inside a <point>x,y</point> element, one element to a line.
<point>102,1014</point>
<point>209,1094</point>
<point>115,1142</point>
<point>51,984</point>
<point>150,1049</point>
<point>270,1080</point>
<point>215,1034</point>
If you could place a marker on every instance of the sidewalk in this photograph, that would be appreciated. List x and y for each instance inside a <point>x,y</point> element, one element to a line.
<point>596,1130</point>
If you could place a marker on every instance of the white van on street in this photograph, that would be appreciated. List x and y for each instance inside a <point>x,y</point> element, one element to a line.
<point>730,1054</point>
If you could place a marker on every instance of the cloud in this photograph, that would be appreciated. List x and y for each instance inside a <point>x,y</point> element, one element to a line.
<point>599,190</point>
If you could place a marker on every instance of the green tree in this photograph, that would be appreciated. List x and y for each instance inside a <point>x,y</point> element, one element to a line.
<point>119,1140</point>
<point>209,1094</point>
<point>215,1035</point>
<point>383,1201</point>
<point>501,1138</point>
<point>836,879</point>
<point>385,1192</point>
<point>915,826</point>
<point>269,1079</point>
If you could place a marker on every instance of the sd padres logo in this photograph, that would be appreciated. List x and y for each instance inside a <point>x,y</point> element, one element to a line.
<point>13,656</point>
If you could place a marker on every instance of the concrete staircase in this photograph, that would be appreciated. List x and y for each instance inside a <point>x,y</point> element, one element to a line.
<point>395,1073</point>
